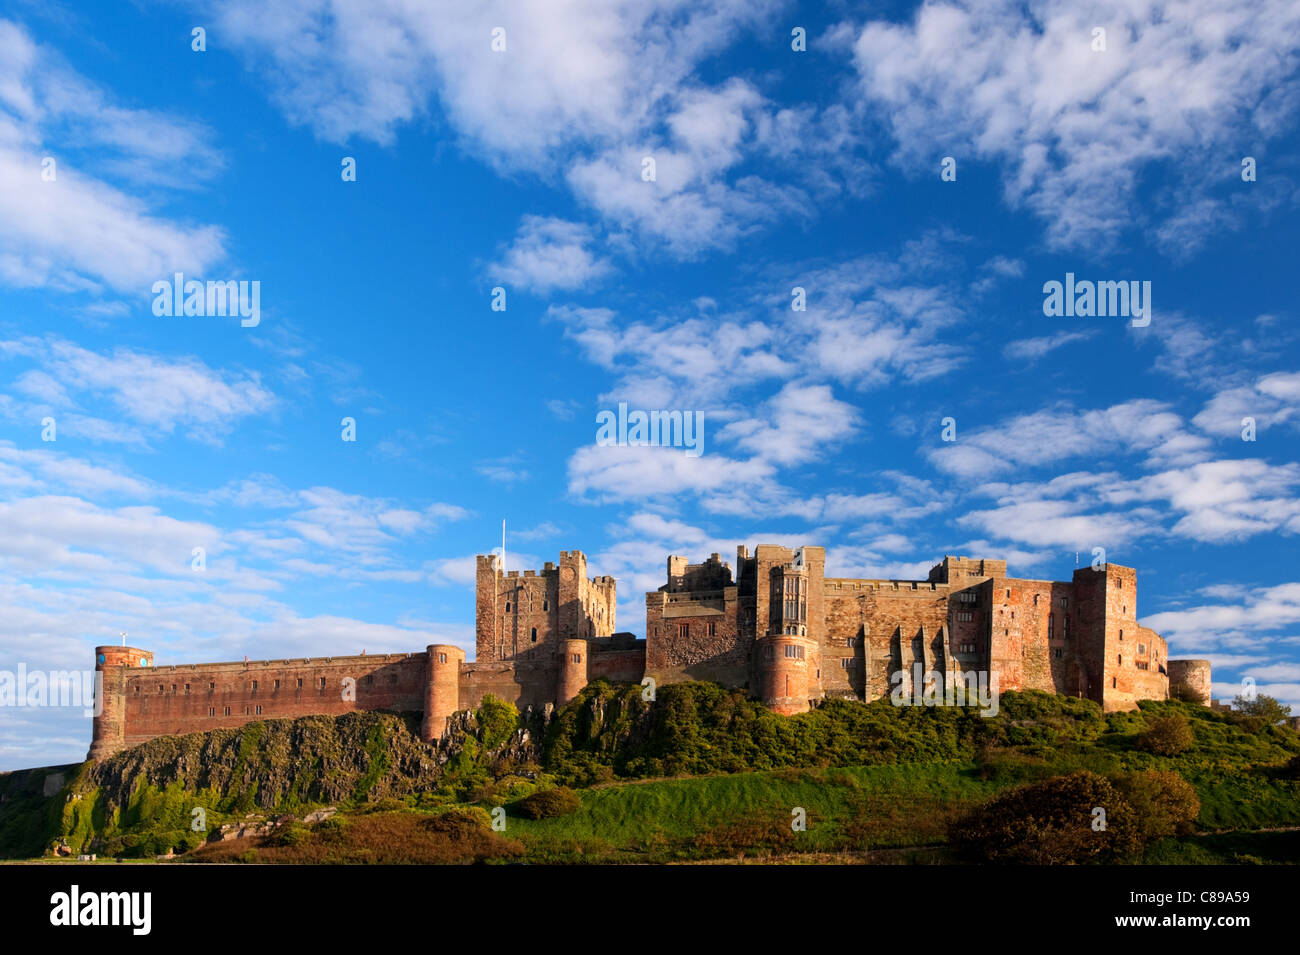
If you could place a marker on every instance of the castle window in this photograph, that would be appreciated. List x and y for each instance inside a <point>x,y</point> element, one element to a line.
<point>1121,634</point>
<point>1057,653</point>
<point>846,662</point>
<point>442,658</point>
<point>1065,627</point>
<point>161,688</point>
<point>850,641</point>
<point>137,687</point>
<point>683,630</point>
<point>212,711</point>
<point>1142,648</point>
<point>254,686</point>
<point>173,687</point>
<point>227,711</point>
<point>1008,593</point>
<point>300,683</point>
<point>275,685</point>
<point>322,683</point>
<point>1065,601</point>
<point>1051,624</point>
<point>507,606</point>
<point>546,605</point>
<point>577,658</point>
<point>534,634</point>
<point>1035,600</point>
<point>245,711</point>
<point>1113,683</point>
<point>1119,658</point>
<point>370,679</point>
<point>1141,665</point>
<point>187,687</point>
<point>713,628</point>
<point>964,616</point>
<point>794,652</point>
<point>968,596</point>
<point>1118,582</point>
<point>212,685</point>
<point>259,709</point>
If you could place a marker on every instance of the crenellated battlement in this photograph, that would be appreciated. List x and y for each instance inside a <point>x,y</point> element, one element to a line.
<point>776,624</point>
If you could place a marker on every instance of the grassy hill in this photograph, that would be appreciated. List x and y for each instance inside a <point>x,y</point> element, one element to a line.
<point>700,773</point>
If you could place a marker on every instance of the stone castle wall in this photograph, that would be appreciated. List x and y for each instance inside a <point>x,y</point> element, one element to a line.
<point>776,625</point>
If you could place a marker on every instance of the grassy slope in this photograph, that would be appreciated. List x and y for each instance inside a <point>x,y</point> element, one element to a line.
<point>907,773</point>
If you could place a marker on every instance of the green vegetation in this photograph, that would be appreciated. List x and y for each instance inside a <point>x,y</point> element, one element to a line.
<point>701,773</point>
<point>1266,708</point>
<point>548,803</point>
<point>1167,736</point>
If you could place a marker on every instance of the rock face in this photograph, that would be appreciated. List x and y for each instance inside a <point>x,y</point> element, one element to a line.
<point>311,759</point>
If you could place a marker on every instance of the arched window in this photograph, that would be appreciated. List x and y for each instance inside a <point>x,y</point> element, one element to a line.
<point>507,606</point>
<point>534,634</point>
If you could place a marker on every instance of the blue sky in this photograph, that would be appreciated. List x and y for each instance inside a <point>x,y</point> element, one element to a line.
<point>522,169</point>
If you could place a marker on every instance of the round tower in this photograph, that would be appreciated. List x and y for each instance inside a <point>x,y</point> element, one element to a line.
<point>108,728</point>
<point>441,689</point>
<point>1190,680</point>
<point>573,671</point>
<point>786,672</point>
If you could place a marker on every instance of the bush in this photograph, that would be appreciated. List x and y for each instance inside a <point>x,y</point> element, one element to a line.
<point>1167,735</point>
<point>548,803</point>
<point>1050,823</point>
<point>497,720</point>
<point>1165,804</point>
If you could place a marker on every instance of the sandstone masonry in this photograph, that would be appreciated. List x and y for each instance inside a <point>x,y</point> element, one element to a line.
<point>775,624</point>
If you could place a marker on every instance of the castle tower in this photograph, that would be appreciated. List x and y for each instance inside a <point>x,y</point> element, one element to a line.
<point>573,671</point>
<point>108,732</point>
<point>487,626</point>
<point>1191,680</point>
<point>442,689</point>
<point>785,672</point>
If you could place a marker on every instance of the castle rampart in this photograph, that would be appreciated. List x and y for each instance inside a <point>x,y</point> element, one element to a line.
<point>774,624</point>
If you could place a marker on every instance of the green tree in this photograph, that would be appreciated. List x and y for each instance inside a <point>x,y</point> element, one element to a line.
<point>1269,708</point>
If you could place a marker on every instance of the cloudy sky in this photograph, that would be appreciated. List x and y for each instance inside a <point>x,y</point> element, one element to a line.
<point>127,155</point>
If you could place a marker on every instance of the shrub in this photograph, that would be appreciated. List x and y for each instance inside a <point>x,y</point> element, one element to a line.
<point>1167,735</point>
<point>548,803</point>
<point>1165,804</point>
<point>1050,823</point>
<point>497,720</point>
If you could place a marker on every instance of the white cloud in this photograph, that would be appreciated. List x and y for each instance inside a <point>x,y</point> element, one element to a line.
<point>155,395</point>
<point>1032,349</point>
<point>1180,84</point>
<point>549,254</point>
<point>78,232</point>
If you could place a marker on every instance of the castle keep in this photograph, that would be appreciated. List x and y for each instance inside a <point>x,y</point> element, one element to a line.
<point>775,624</point>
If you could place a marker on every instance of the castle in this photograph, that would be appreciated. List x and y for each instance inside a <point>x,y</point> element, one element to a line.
<point>775,624</point>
